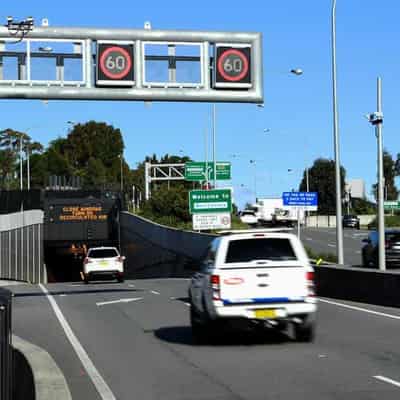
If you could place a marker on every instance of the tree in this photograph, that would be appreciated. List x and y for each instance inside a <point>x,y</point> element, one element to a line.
<point>322,180</point>
<point>397,165</point>
<point>389,172</point>
<point>11,141</point>
<point>95,173</point>
<point>169,206</point>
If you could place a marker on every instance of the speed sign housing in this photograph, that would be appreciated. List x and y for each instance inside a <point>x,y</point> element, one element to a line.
<point>115,66</point>
<point>232,66</point>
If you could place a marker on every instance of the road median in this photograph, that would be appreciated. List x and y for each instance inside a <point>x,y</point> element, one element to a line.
<point>36,374</point>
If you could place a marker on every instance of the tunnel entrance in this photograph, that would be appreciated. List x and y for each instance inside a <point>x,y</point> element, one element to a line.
<point>61,266</point>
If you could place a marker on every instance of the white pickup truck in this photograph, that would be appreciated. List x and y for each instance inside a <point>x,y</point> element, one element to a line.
<point>261,277</point>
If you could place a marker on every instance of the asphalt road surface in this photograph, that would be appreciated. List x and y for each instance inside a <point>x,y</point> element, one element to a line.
<point>323,240</point>
<point>142,348</point>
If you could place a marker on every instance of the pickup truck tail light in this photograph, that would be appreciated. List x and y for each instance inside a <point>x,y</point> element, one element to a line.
<point>216,287</point>
<point>310,284</point>
<point>120,259</point>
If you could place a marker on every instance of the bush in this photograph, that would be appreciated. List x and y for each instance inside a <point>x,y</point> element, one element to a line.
<point>391,221</point>
<point>329,257</point>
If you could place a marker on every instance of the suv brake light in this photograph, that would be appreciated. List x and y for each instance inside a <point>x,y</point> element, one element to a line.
<point>87,260</point>
<point>120,259</point>
<point>310,283</point>
<point>215,286</point>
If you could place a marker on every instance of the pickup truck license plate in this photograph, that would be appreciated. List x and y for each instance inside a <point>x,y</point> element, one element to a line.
<point>265,313</point>
<point>104,263</point>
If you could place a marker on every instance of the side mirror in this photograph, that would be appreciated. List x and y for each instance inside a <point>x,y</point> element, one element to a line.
<point>123,258</point>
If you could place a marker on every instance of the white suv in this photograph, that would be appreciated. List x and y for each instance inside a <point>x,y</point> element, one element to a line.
<point>262,276</point>
<point>103,261</point>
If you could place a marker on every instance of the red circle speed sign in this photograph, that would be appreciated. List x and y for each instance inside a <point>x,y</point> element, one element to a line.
<point>115,62</point>
<point>233,65</point>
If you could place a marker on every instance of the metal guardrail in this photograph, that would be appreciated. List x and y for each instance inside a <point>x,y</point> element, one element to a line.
<point>6,357</point>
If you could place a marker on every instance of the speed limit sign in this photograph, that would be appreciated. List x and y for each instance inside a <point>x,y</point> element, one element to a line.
<point>232,66</point>
<point>115,64</point>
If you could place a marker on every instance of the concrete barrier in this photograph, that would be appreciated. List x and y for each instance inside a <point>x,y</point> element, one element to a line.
<point>154,250</point>
<point>359,284</point>
<point>329,221</point>
<point>36,375</point>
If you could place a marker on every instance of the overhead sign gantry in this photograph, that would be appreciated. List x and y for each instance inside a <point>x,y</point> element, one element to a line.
<point>129,64</point>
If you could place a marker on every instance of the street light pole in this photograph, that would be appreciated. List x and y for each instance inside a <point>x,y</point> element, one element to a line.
<point>20,164</point>
<point>339,227</point>
<point>28,166</point>
<point>381,212</point>
<point>214,117</point>
<point>122,177</point>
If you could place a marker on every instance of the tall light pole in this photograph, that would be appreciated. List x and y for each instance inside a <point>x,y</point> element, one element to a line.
<point>339,227</point>
<point>20,163</point>
<point>121,172</point>
<point>214,134</point>
<point>376,119</point>
<point>254,162</point>
<point>28,149</point>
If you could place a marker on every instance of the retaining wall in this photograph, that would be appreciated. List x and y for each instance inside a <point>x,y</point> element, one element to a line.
<point>154,250</point>
<point>329,221</point>
<point>21,246</point>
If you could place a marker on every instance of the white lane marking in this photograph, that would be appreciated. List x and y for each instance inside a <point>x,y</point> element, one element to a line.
<point>387,380</point>
<point>154,292</point>
<point>360,309</point>
<point>358,252</point>
<point>331,245</point>
<point>103,303</point>
<point>98,381</point>
<point>131,285</point>
<point>309,239</point>
<point>187,304</point>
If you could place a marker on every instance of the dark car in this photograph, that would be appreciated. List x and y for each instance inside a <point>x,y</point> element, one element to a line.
<point>369,252</point>
<point>351,221</point>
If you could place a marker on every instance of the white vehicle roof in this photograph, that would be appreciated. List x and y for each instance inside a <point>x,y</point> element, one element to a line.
<point>274,233</point>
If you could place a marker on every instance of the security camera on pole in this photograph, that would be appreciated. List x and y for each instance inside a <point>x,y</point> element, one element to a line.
<point>376,119</point>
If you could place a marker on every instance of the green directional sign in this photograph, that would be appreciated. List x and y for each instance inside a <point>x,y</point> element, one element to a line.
<point>196,171</point>
<point>392,205</point>
<point>210,201</point>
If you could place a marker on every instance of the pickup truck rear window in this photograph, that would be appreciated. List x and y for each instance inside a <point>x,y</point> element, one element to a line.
<point>103,253</point>
<point>247,250</point>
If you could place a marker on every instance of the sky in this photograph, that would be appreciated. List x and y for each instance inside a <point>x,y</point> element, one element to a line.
<point>295,126</point>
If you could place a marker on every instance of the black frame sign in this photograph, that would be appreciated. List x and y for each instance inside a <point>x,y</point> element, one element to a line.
<point>232,66</point>
<point>115,64</point>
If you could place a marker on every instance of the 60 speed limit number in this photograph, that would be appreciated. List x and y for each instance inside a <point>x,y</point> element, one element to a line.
<point>115,65</point>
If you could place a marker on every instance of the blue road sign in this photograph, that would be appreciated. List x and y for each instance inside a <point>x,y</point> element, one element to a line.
<point>300,199</point>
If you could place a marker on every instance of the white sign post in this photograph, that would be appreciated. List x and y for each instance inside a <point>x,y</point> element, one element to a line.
<point>211,221</point>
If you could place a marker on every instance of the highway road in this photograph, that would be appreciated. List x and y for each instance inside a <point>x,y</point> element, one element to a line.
<point>323,240</point>
<point>133,341</point>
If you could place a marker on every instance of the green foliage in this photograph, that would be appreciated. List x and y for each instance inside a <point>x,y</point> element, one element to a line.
<point>322,180</point>
<point>168,205</point>
<point>362,207</point>
<point>391,168</point>
<point>329,257</point>
<point>10,143</point>
<point>391,221</point>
